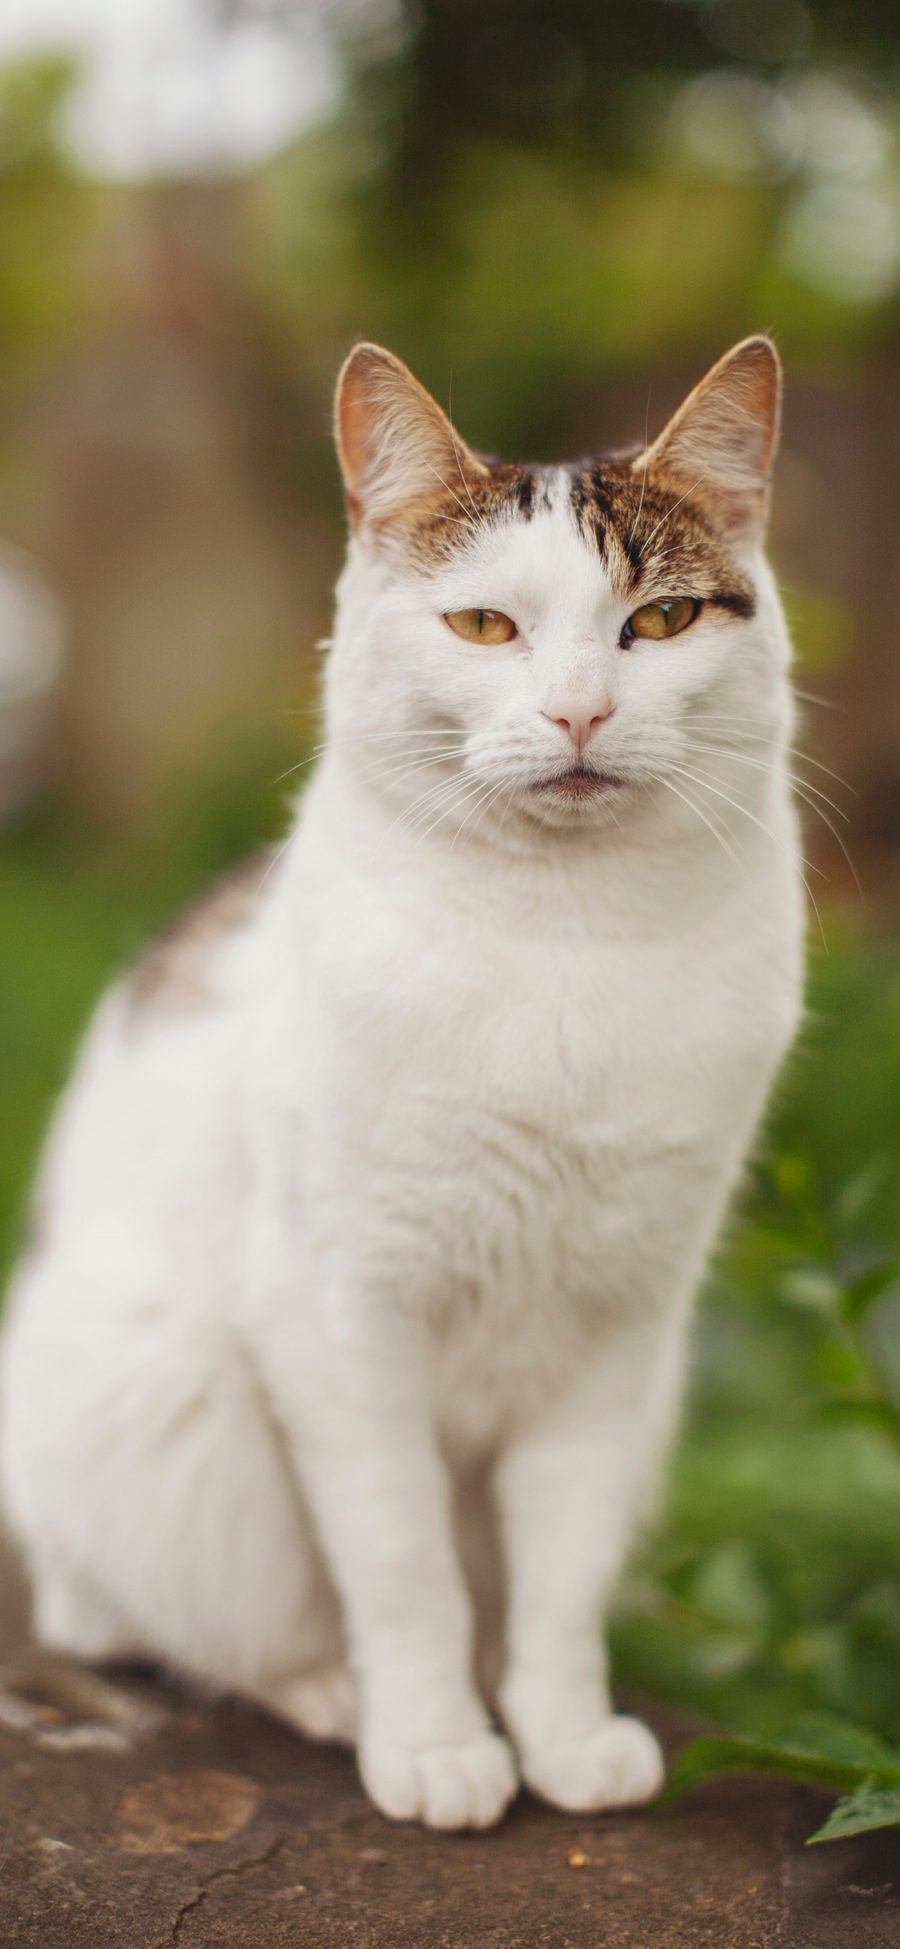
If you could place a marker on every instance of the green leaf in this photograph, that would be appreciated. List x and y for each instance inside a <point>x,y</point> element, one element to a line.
<point>720,1654</point>
<point>879,1415</point>
<point>730,1586</point>
<point>839,1739</point>
<point>811,1288</point>
<point>793,1177</point>
<point>860,1813</point>
<point>823,1752</point>
<point>843,1367</point>
<point>856,1194</point>
<point>868,1288</point>
<point>770,1241</point>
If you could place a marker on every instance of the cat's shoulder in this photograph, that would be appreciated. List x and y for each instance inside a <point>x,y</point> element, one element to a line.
<point>176,974</point>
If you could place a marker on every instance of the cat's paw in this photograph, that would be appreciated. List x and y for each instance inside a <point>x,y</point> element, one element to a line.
<point>465,1785</point>
<point>617,1764</point>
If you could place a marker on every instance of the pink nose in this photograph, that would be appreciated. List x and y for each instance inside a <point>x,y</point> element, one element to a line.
<point>579,723</point>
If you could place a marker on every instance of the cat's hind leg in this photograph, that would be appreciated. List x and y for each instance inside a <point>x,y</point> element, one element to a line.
<point>149,1487</point>
<point>319,1701</point>
<point>69,1616</point>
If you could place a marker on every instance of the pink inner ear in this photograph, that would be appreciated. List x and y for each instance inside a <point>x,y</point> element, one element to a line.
<point>358,408</point>
<point>394,442</point>
<point>726,430</point>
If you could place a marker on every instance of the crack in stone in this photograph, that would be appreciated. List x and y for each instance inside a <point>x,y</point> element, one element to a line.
<point>351,1817</point>
<point>232,1873</point>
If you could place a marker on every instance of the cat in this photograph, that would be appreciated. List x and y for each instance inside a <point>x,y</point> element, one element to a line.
<point>343,1361</point>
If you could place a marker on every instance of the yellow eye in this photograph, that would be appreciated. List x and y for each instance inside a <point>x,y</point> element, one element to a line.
<point>481,625</point>
<point>660,619</point>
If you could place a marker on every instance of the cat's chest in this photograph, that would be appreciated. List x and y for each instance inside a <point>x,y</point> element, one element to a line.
<point>564,1048</point>
<point>508,1096</point>
<point>526,1109</point>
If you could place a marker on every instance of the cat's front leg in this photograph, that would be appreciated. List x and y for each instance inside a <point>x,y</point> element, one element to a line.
<point>347,1383</point>
<point>569,1490</point>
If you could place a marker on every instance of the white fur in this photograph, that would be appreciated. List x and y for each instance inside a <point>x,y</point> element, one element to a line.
<point>358,1308</point>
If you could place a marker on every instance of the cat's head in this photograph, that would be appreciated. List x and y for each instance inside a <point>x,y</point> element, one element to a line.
<point>550,643</point>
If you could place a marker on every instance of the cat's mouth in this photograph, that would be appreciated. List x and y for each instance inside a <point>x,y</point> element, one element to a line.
<point>578,782</point>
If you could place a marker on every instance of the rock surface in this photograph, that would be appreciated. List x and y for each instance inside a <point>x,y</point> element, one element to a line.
<point>156,1821</point>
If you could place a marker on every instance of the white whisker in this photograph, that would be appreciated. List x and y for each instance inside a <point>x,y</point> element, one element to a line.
<point>459,465</point>
<point>660,778</point>
<point>668,515</point>
<point>699,778</point>
<point>728,753</point>
<point>460,504</point>
<point>644,480</point>
<point>775,744</point>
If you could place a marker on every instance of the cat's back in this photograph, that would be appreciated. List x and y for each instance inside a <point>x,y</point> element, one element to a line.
<point>148,1121</point>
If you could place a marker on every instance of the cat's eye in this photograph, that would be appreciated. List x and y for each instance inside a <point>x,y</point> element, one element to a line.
<point>481,625</point>
<point>661,619</point>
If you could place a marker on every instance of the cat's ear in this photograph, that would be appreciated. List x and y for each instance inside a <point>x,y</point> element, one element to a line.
<point>723,438</point>
<point>394,443</point>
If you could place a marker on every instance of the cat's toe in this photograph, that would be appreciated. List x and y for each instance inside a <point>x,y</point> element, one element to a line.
<point>618,1764</point>
<point>448,1787</point>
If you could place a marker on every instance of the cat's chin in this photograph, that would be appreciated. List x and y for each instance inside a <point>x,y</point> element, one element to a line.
<point>572,797</point>
<point>577,784</point>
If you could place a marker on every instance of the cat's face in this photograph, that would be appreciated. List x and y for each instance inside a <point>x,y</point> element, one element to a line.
<point>546,643</point>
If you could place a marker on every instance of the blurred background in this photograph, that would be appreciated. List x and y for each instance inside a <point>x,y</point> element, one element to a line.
<point>559,212</point>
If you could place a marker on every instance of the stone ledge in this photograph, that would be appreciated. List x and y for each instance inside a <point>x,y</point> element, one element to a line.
<point>202,1826</point>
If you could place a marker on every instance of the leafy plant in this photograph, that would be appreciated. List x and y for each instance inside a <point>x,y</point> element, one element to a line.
<point>822,1751</point>
<point>769,1601</point>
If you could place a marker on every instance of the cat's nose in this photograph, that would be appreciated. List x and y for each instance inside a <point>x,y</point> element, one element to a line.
<point>579,721</point>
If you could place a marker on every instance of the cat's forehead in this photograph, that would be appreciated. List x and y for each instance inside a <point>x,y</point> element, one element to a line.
<point>643,528</point>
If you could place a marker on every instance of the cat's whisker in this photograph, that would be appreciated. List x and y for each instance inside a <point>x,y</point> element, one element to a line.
<point>660,778</point>
<point>811,697</point>
<point>387,774</point>
<point>729,753</point>
<point>810,794</point>
<point>410,816</point>
<point>837,837</point>
<point>454,496</point>
<point>278,855</point>
<point>775,744</point>
<point>665,554</point>
<point>455,520</point>
<point>300,765</point>
<point>670,511</point>
<point>698,778</point>
<point>348,744</point>
<point>361,744</point>
<point>496,792</point>
<point>644,478</point>
<point>367,737</point>
<point>702,778</point>
<point>453,803</point>
<point>476,811</point>
<point>459,464</point>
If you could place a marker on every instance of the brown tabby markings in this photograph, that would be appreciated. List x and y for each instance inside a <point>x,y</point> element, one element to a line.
<point>429,530</point>
<point>658,535</point>
<point>654,537</point>
<point>174,974</point>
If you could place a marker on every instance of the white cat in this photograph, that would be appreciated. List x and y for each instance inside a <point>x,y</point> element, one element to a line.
<point>351,1335</point>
